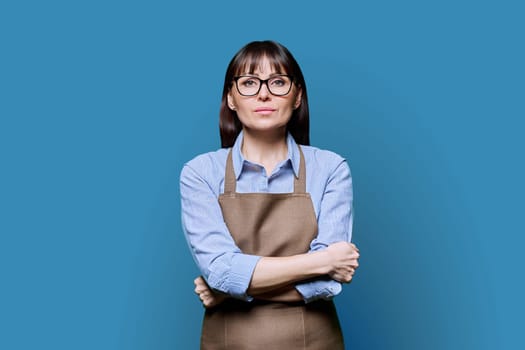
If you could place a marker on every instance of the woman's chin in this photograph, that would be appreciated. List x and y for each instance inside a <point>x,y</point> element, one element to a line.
<point>265,128</point>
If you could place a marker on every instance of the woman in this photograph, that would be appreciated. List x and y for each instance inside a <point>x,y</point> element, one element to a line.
<point>268,222</point>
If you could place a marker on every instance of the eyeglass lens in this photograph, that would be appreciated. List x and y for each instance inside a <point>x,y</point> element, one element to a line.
<point>250,86</point>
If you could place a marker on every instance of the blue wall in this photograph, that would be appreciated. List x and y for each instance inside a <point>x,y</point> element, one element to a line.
<point>101,103</point>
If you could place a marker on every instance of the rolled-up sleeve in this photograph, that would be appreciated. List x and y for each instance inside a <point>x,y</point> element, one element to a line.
<point>334,225</point>
<point>221,262</point>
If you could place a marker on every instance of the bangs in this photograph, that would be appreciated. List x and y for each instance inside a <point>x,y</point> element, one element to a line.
<point>251,61</point>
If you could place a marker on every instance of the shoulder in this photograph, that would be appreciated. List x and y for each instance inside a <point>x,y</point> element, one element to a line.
<point>318,158</point>
<point>206,166</point>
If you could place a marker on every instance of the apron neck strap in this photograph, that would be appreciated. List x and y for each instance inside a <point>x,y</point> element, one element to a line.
<point>229,177</point>
<point>230,182</point>
<point>299,183</point>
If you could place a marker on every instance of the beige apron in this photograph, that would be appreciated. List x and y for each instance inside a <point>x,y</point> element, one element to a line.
<point>270,224</point>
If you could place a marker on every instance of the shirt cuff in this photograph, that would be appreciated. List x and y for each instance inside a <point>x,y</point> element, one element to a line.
<point>234,275</point>
<point>319,289</point>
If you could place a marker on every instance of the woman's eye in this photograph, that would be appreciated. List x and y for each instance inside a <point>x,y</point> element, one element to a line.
<point>249,82</point>
<point>278,82</point>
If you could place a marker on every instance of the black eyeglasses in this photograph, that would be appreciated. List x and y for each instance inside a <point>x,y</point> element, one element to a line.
<point>278,85</point>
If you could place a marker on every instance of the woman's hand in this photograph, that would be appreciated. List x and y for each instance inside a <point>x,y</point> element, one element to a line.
<point>343,261</point>
<point>208,297</point>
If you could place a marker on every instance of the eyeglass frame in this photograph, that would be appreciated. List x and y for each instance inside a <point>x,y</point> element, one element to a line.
<point>265,81</point>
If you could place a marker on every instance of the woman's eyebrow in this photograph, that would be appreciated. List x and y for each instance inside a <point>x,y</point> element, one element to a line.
<point>258,75</point>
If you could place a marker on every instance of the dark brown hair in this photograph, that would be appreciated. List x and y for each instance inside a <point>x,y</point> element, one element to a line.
<point>246,61</point>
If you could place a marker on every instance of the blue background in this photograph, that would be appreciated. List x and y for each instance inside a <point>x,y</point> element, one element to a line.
<point>102,102</point>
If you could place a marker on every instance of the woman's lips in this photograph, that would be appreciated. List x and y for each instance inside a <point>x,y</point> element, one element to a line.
<point>264,110</point>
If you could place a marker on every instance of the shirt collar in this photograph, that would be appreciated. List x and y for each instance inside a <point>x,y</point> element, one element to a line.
<point>238,159</point>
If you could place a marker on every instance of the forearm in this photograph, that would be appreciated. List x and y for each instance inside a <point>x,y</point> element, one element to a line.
<point>272,273</point>
<point>285,294</point>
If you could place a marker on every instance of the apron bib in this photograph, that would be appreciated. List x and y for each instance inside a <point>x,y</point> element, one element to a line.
<point>270,224</point>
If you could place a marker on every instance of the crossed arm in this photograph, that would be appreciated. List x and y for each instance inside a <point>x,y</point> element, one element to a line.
<point>274,278</point>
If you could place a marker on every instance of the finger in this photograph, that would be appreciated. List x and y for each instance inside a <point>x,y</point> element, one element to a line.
<point>354,255</point>
<point>351,256</point>
<point>348,277</point>
<point>200,289</point>
<point>200,282</point>
<point>201,286</point>
<point>344,279</point>
<point>209,302</point>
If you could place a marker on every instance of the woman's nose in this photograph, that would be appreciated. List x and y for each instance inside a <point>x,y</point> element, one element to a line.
<point>264,93</point>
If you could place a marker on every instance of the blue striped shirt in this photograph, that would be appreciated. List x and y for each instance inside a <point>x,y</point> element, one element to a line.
<point>221,262</point>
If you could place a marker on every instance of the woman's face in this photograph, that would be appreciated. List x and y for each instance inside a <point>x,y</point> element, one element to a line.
<point>264,111</point>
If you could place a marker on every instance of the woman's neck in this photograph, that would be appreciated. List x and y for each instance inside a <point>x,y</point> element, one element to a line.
<point>266,149</point>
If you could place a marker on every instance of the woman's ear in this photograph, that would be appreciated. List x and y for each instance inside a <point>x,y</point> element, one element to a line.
<point>231,105</point>
<point>298,99</point>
